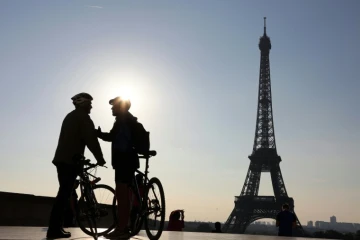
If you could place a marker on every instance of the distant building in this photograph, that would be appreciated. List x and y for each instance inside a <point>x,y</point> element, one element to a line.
<point>345,227</point>
<point>325,225</point>
<point>322,225</point>
<point>357,226</point>
<point>310,224</point>
<point>337,226</point>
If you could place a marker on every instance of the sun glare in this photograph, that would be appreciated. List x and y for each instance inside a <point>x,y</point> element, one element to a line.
<point>125,93</point>
<point>119,90</point>
<point>124,84</point>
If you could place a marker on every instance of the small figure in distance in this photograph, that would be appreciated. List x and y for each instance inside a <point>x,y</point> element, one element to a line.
<point>217,228</point>
<point>286,221</point>
<point>175,223</point>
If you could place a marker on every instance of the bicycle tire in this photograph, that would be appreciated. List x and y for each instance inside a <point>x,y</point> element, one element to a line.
<point>93,231</point>
<point>138,225</point>
<point>149,187</point>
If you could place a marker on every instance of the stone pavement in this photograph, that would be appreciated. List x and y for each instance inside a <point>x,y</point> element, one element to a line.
<point>39,233</point>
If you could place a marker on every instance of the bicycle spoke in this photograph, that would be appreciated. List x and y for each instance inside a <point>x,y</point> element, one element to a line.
<point>97,209</point>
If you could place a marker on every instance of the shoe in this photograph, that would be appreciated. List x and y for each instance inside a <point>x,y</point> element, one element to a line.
<point>118,234</point>
<point>54,234</point>
<point>63,230</point>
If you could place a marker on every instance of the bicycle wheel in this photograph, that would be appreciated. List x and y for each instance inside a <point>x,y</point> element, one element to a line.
<point>136,222</point>
<point>94,213</point>
<point>155,209</point>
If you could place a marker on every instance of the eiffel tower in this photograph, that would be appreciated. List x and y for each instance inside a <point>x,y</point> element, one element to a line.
<point>249,206</point>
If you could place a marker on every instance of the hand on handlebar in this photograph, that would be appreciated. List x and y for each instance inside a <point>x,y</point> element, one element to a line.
<point>101,162</point>
<point>98,132</point>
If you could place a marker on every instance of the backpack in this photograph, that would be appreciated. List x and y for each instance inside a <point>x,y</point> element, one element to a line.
<point>141,138</point>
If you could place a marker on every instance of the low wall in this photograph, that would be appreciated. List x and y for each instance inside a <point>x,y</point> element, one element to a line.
<point>24,209</point>
<point>29,210</point>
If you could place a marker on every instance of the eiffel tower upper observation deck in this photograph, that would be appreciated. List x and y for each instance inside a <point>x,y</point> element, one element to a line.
<point>249,206</point>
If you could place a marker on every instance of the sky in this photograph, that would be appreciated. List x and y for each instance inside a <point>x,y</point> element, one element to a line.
<point>191,69</point>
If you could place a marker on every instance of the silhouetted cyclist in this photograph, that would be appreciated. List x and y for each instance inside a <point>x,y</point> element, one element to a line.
<point>77,131</point>
<point>286,221</point>
<point>124,135</point>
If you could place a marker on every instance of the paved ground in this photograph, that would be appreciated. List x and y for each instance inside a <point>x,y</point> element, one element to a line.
<point>39,233</point>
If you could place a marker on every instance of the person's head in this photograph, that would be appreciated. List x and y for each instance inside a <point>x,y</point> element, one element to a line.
<point>217,226</point>
<point>119,106</point>
<point>285,207</point>
<point>176,215</point>
<point>82,101</point>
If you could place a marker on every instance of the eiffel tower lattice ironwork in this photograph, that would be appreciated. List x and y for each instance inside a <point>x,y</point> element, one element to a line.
<point>250,207</point>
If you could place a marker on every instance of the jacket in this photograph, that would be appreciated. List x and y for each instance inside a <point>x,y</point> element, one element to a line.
<point>123,158</point>
<point>77,131</point>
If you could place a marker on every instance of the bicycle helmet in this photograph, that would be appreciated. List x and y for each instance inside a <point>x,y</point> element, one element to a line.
<point>81,98</point>
<point>121,101</point>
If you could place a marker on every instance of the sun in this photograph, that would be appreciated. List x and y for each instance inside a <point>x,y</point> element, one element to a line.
<point>124,84</point>
<point>126,93</point>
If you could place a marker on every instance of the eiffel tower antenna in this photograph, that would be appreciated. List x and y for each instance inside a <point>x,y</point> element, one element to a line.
<point>264,25</point>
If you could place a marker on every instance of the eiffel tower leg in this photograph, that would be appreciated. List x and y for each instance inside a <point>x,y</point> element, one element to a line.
<point>252,180</point>
<point>277,181</point>
<point>237,221</point>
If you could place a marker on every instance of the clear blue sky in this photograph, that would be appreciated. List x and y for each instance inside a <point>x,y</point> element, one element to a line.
<point>192,68</point>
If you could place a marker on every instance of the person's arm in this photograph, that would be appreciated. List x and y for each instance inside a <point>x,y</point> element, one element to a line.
<point>278,219</point>
<point>89,135</point>
<point>108,137</point>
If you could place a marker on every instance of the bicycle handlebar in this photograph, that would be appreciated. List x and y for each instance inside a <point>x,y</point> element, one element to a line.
<point>86,162</point>
<point>91,165</point>
<point>151,153</point>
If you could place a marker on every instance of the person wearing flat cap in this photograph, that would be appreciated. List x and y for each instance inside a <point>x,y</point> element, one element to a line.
<point>124,160</point>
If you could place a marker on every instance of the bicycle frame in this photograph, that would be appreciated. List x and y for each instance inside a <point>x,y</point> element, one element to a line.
<point>146,180</point>
<point>142,201</point>
<point>87,192</point>
<point>86,185</point>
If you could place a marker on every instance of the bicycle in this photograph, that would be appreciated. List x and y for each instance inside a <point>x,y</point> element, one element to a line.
<point>95,218</point>
<point>148,206</point>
